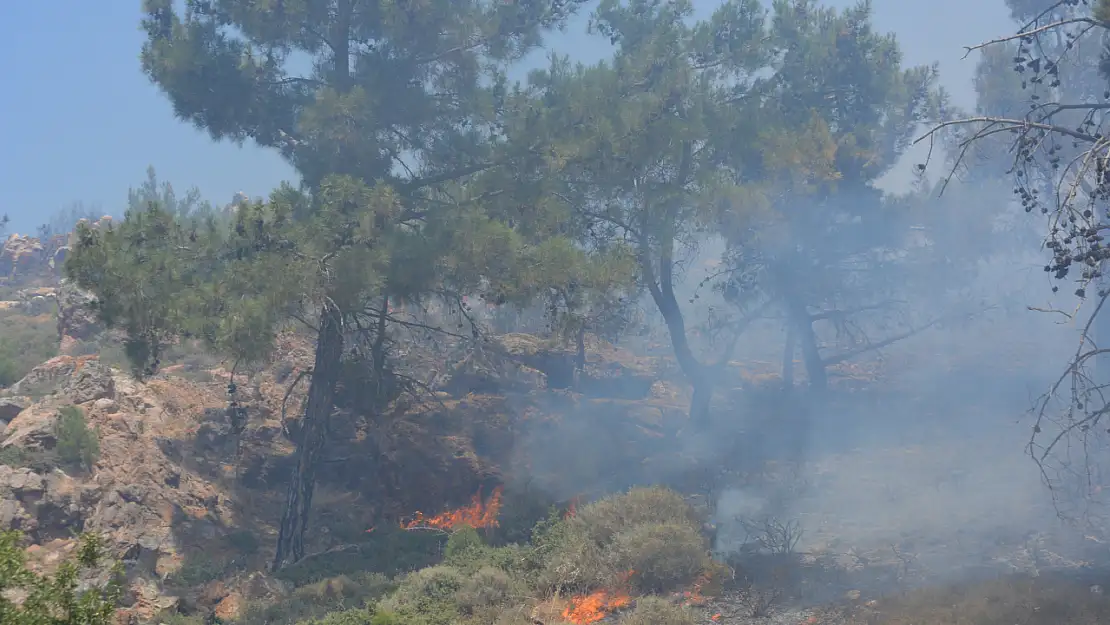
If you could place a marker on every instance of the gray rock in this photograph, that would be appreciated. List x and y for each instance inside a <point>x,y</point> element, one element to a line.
<point>92,382</point>
<point>10,407</point>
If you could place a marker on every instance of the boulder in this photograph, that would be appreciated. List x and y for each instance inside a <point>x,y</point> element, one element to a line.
<point>32,429</point>
<point>76,316</point>
<point>92,382</point>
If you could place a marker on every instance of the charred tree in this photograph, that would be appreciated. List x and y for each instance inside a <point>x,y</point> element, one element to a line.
<point>312,437</point>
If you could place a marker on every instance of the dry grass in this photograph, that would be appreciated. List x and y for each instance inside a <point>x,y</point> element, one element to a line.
<point>1007,601</point>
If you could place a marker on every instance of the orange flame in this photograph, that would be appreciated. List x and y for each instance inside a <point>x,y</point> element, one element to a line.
<point>595,606</point>
<point>572,509</point>
<point>476,515</point>
<point>693,596</point>
<point>591,608</point>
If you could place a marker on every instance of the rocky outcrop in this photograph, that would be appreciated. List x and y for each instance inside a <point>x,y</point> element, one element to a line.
<point>26,259</point>
<point>136,495</point>
<point>76,318</point>
<point>47,506</point>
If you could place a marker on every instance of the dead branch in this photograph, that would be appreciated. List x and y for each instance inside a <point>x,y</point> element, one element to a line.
<point>887,342</point>
<point>1023,33</point>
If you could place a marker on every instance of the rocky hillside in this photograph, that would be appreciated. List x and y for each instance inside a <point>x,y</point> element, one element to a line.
<point>185,501</point>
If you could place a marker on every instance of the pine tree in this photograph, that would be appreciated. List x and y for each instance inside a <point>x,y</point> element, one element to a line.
<point>54,599</point>
<point>398,131</point>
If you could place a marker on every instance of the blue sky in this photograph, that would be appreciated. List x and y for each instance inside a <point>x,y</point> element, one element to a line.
<point>80,122</point>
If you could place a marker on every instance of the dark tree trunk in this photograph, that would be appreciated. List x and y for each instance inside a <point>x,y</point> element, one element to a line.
<point>312,437</point>
<point>662,292</point>
<point>815,366</point>
<point>580,343</point>
<point>699,403</point>
<point>377,351</point>
<point>580,356</point>
<point>802,324</point>
<point>661,286</point>
<point>788,357</point>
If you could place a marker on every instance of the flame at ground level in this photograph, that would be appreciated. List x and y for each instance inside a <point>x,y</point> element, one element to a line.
<point>477,515</point>
<point>594,607</point>
<point>585,609</point>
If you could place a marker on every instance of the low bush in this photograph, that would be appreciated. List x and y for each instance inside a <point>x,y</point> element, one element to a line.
<point>603,519</point>
<point>644,541</point>
<point>661,556</point>
<point>651,531</point>
<point>25,343</point>
<point>78,444</point>
<point>656,611</point>
<point>468,552</point>
<point>426,597</point>
<point>388,550</point>
<point>354,595</point>
<point>354,616</point>
<point>488,593</point>
<point>198,569</point>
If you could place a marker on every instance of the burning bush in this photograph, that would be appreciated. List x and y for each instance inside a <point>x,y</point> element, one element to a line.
<point>656,611</point>
<point>603,555</point>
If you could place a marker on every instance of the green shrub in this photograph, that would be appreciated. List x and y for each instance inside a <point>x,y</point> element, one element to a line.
<point>603,519</point>
<point>662,556</point>
<point>172,617</point>
<point>354,616</point>
<point>244,541</point>
<point>386,618</point>
<point>78,444</point>
<point>657,611</point>
<point>316,601</point>
<point>426,597</point>
<point>468,552</point>
<point>390,551</point>
<point>597,547</point>
<point>37,460</point>
<point>198,569</point>
<point>15,457</point>
<point>55,600</point>
<point>487,593</point>
<point>25,343</point>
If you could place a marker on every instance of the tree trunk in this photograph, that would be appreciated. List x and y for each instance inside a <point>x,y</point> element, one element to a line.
<point>788,357</point>
<point>661,287</point>
<point>580,344</point>
<point>811,354</point>
<point>1100,339</point>
<point>312,438</point>
<point>815,367</point>
<point>699,402</point>
<point>662,292</point>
